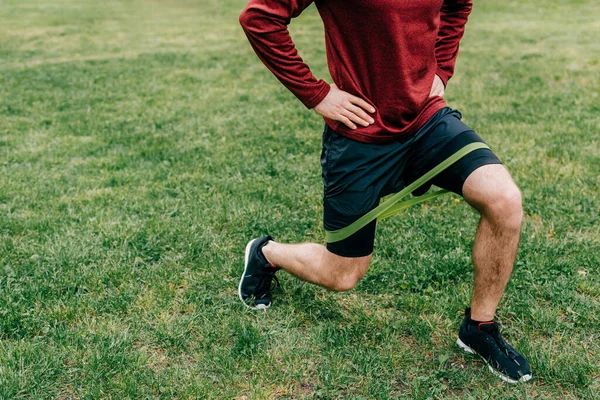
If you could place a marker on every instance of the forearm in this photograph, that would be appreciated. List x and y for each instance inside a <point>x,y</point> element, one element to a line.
<point>453,18</point>
<point>265,24</point>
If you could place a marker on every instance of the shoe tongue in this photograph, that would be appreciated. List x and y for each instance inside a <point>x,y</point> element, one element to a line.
<point>262,258</point>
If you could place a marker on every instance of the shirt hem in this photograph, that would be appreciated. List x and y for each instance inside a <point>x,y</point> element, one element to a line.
<point>380,135</point>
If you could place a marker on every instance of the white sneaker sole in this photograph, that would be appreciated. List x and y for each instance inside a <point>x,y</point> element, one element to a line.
<point>246,256</point>
<point>499,374</point>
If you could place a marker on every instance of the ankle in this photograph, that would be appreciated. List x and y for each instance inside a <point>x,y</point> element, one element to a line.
<point>481,315</point>
<point>267,254</point>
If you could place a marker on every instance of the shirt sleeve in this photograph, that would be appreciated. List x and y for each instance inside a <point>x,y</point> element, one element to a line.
<point>453,17</point>
<point>265,24</point>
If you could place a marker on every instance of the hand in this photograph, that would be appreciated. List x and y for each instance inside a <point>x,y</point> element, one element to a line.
<point>346,108</point>
<point>437,89</point>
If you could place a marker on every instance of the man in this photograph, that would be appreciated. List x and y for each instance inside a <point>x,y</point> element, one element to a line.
<point>386,125</point>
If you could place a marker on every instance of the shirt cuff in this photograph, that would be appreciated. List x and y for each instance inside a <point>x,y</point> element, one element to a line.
<point>321,94</point>
<point>443,76</point>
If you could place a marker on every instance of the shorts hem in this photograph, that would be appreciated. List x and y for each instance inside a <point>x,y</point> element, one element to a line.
<point>342,252</point>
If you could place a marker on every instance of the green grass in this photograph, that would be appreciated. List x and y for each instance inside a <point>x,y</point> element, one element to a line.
<point>142,144</point>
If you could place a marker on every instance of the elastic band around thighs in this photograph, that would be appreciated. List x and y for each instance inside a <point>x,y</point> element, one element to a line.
<point>395,204</point>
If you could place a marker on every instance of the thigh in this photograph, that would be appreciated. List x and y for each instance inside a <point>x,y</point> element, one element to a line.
<point>446,138</point>
<point>354,175</point>
<point>359,244</point>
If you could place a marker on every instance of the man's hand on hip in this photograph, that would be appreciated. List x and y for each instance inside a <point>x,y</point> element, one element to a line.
<point>346,108</point>
<point>437,89</point>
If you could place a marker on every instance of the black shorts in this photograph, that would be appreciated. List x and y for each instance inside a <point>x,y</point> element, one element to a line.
<point>356,175</point>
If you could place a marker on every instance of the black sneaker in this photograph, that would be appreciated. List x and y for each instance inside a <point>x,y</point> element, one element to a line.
<point>501,358</point>
<point>255,284</point>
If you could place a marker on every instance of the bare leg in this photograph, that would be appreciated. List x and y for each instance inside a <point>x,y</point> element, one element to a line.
<point>492,192</point>
<point>489,189</point>
<point>314,263</point>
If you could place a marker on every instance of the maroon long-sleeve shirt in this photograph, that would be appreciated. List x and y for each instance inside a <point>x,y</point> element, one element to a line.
<point>384,51</point>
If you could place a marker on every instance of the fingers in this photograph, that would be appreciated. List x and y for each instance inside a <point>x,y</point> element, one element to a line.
<point>355,119</point>
<point>361,103</point>
<point>364,118</point>
<point>351,115</point>
<point>346,108</point>
<point>348,118</point>
<point>437,88</point>
<point>346,121</point>
<point>436,91</point>
<point>355,112</point>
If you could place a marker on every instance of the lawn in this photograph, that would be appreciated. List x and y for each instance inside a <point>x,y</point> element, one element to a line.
<point>142,144</point>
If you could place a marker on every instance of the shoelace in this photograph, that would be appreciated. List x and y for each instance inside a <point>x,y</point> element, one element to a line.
<point>266,278</point>
<point>503,345</point>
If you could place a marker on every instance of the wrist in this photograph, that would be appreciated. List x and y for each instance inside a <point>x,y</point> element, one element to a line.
<point>318,98</point>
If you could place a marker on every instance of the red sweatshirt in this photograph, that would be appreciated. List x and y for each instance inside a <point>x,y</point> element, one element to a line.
<point>384,51</point>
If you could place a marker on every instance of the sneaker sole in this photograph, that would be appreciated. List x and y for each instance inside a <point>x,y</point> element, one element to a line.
<point>246,256</point>
<point>494,371</point>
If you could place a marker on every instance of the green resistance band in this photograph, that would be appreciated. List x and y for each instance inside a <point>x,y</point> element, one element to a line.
<point>395,204</point>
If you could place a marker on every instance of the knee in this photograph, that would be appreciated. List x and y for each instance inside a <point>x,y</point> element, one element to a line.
<point>349,274</point>
<point>345,282</point>
<point>506,208</point>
